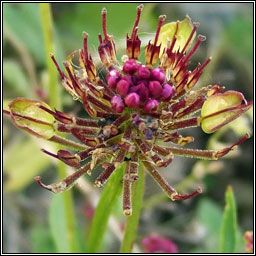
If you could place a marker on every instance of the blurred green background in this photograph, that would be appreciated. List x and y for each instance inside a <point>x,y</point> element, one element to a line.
<point>32,217</point>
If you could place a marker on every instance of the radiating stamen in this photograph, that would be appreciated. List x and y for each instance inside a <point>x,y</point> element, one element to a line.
<point>161,20</point>
<point>101,180</point>
<point>186,196</point>
<point>49,153</point>
<point>158,178</point>
<point>204,65</point>
<point>104,25</point>
<point>85,47</point>
<point>201,38</point>
<point>127,207</point>
<point>195,26</point>
<point>224,151</point>
<point>57,66</point>
<point>38,180</point>
<point>73,80</point>
<point>135,27</point>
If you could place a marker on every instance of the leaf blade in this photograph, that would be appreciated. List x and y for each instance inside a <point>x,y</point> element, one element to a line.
<point>103,210</point>
<point>229,224</point>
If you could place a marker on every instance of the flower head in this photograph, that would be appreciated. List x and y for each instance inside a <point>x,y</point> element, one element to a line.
<point>155,243</point>
<point>135,109</point>
<point>248,237</point>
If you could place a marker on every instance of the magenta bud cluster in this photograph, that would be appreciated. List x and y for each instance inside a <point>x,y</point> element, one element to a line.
<point>138,86</point>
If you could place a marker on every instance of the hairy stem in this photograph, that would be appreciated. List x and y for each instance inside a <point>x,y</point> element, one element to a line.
<point>133,220</point>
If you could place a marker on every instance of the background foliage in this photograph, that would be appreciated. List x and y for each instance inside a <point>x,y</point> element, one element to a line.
<point>33,218</point>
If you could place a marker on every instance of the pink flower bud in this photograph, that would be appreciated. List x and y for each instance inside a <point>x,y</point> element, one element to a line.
<point>132,100</point>
<point>142,90</point>
<point>128,79</point>
<point>158,74</point>
<point>144,72</point>
<point>167,92</point>
<point>112,78</point>
<point>122,87</point>
<point>130,67</point>
<point>117,103</point>
<point>155,88</point>
<point>150,106</point>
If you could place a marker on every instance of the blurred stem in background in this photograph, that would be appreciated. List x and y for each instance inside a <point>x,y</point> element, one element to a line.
<point>55,102</point>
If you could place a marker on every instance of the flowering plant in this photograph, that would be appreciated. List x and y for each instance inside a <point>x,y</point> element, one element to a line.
<point>135,109</point>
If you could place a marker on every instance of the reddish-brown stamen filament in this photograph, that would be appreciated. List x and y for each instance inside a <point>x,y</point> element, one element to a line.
<point>104,23</point>
<point>57,66</point>
<point>199,41</point>
<point>187,196</point>
<point>135,27</point>
<point>196,25</point>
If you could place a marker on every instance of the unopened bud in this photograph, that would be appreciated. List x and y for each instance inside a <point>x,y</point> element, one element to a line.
<point>130,67</point>
<point>150,106</point>
<point>144,72</point>
<point>112,78</point>
<point>132,100</point>
<point>117,103</point>
<point>155,88</point>
<point>167,92</point>
<point>158,75</point>
<point>122,87</point>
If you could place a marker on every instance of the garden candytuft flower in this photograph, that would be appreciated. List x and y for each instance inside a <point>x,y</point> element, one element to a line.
<point>135,109</point>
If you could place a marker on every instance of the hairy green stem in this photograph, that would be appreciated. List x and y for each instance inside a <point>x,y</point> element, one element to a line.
<point>133,220</point>
<point>55,102</point>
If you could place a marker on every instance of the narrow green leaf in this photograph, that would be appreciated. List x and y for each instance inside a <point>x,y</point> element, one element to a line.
<point>47,25</point>
<point>229,224</point>
<point>15,78</point>
<point>41,239</point>
<point>133,220</point>
<point>23,19</point>
<point>58,226</point>
<point>108,198</point>
<point>209,215</point>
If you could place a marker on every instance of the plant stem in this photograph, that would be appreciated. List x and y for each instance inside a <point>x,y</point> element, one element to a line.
<point>133,220</point>
<point>46,17</point>
<point>108,198</point>
<point>55,102</point>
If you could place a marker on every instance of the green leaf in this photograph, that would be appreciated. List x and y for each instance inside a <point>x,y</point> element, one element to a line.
<point>108,198</point>
<point>229,224</point>
<point>41,240</point>
<point>58,226</point>
<point>209,216</point>
<point>23,19</point>
<point>133,220</point>
<point>15,78</point>
<point>22,162</point>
